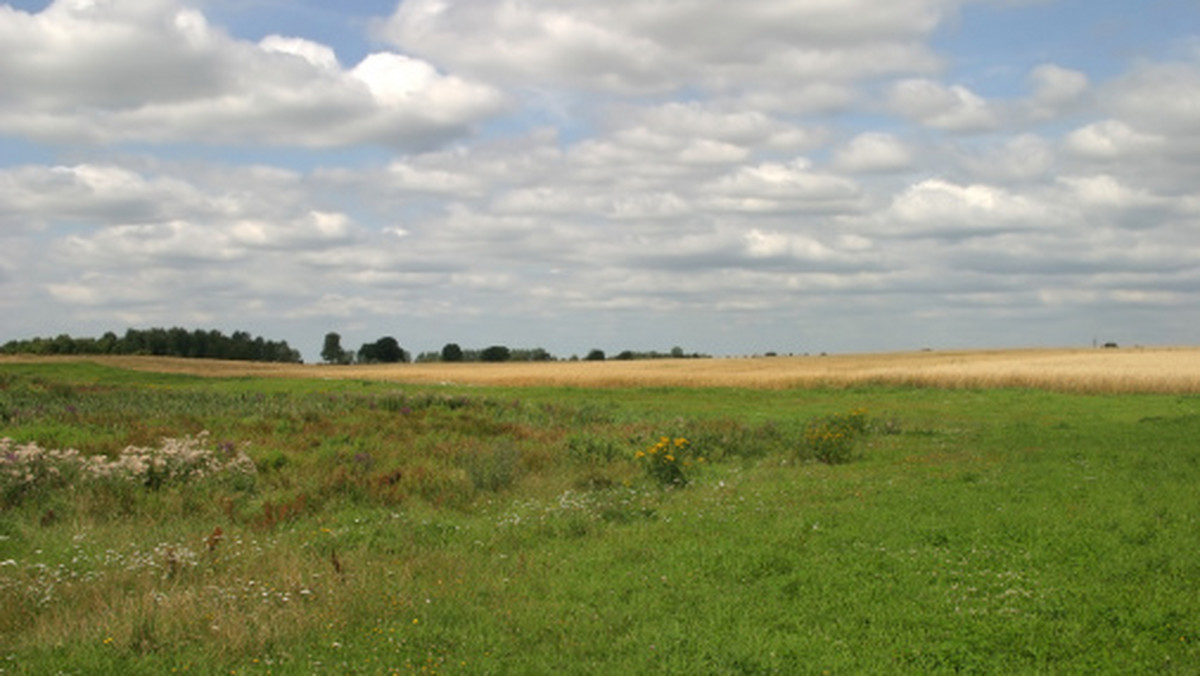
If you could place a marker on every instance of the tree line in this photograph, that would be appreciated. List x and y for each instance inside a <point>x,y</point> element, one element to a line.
<point>240,345</point>
<point>162,342</point>
<point>387,350</point>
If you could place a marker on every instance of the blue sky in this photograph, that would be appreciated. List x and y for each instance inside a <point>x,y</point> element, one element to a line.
<point>733,178</point>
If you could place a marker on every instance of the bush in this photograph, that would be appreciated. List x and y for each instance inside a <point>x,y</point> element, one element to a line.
<point>831,439</point>
<point>665,461</point>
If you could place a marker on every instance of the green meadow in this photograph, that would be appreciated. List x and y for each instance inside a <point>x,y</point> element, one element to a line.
<point>157,524</point>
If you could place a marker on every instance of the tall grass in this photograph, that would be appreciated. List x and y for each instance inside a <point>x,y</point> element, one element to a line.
<point>395,529</point>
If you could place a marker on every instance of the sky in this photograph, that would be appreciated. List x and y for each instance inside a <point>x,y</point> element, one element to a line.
<point>734,178</point>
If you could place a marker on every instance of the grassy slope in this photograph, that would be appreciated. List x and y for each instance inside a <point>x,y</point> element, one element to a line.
<point>999,531</point>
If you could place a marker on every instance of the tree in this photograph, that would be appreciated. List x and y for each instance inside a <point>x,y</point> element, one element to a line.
<point>452,353</point>
<point>241,346</point>
<point>495,353</point>
<point>383,351</point>
<point>156,341</point>
<point>332,352</point>
<point>388,350</point>
<point>107,343</point>
<point>595,355</point>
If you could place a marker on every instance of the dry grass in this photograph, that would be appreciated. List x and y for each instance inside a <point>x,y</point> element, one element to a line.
<point>1174,370</point>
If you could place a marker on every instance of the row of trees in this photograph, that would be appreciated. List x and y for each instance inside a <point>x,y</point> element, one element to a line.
<point>387,350</point>
<point>160,342</point>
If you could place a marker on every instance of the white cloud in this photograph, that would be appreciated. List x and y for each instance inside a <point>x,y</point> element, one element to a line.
<point>1107,193</point>
<point>316,54</point>
<point>771,163</point>
<point>804,97</point>
<point>1055,87</point>
<point>782,187</point>
<point>1021,158</point>
<point>405,176</point>
<point>729,124</point>
<point>112,72</point>
<point>941,208</point>
<point>92,194</point>
<point>1161,98</point>
<point>761,244</point>
<point>638,47</point>
<point>873,152</point>
<point>953,108</point>
<point>1111,140</point>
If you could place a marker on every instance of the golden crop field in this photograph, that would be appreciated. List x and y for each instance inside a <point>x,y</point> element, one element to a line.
<point>1074,370</point>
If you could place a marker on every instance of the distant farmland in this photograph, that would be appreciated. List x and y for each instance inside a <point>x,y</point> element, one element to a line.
<point>1070,370</point>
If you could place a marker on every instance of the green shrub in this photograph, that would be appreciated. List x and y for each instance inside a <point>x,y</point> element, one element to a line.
<point>666,460</point>
<point>831,439</point>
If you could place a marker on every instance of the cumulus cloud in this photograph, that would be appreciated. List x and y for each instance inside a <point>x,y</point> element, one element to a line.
<point>772,163</point>
<point>737,126</point>
<point>873,152</point>
<point>1022,158</point>
<point>153,70</point>
<point>1159,98</point>
<point>940,208</point>
<point>953,108</point>
<point>1055,87</point>
<point>1106,193</point>
<point>1111,140</point>
<point>782,187</point>
<point>89,193</point>
<point>636,47</point>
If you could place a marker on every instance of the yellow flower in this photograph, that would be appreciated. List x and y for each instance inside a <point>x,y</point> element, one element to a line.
<point>670,458</point>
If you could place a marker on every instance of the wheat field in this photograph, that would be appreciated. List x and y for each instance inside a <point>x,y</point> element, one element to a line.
<point>1156,369</point>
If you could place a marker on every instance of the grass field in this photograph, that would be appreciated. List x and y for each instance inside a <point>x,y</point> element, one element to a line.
<point>256,522</point>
